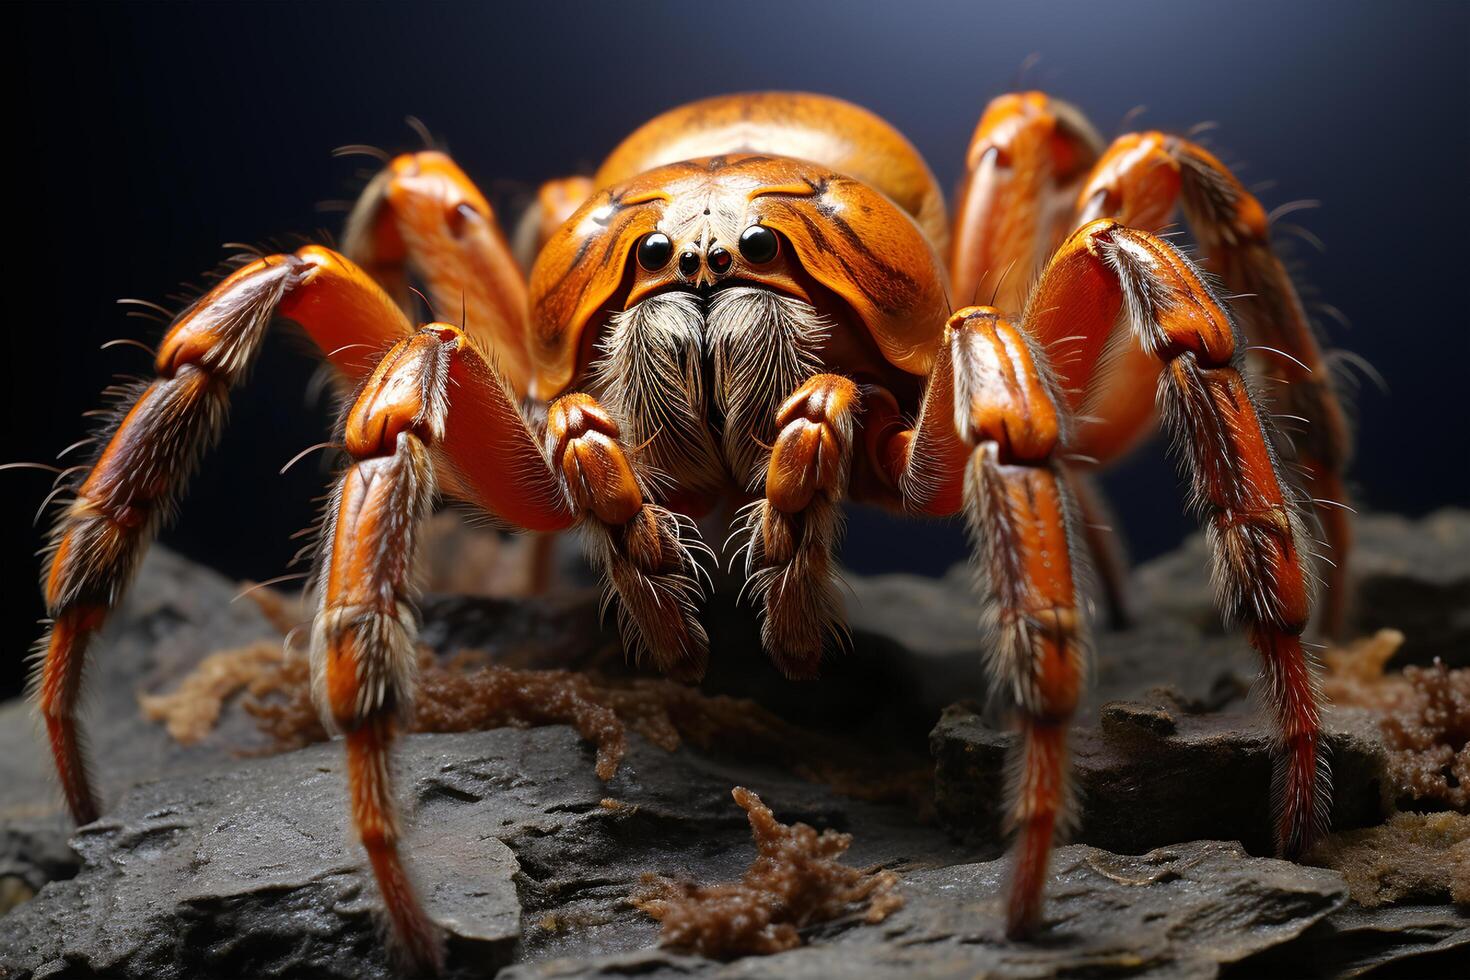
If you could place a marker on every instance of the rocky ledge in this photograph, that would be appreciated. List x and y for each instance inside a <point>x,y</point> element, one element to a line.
<point>217,859</point>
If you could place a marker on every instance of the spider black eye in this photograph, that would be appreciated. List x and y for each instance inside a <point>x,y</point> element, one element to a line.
<point>655,251</point>
<point>758,244</point>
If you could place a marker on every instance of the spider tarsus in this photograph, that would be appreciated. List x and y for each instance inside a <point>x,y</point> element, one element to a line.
<point>1041,806</point>
<point>415,939</point>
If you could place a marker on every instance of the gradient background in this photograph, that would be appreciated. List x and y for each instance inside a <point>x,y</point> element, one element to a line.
<point>145,136</point>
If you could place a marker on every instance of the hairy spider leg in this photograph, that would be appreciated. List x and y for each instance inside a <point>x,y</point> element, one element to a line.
<point>987,442</point>
<point>152,442</point>
<point>1177,330</point>
<point>646,552</point>
<point>423,217</point>
<point>363,654</point>
<point>1026,159</point>
<point>161,429</point>
<point>1139,181</point>
<point>425,390</point>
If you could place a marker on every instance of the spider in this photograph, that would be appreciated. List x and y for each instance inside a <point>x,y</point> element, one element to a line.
<point>759,299</point>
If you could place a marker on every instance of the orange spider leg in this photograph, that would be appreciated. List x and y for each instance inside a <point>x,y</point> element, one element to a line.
<point>1107,419</point>
<point>489,454</point>
<point>1138,182</point>
<point>152,445</point>
<point>1260,556</point>
<point>423,216</point>
<point>362,650</point>
<point>157,437</point>
<point>793,529</point>
<point>433,398</point>
<point>1021,172</point>
<point>987,441</point>
<point>1026,160</point>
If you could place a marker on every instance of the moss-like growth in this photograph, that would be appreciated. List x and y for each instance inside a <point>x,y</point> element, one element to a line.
<point>1424,714</point>
<point>796,880</point>
<point>1415,857</point>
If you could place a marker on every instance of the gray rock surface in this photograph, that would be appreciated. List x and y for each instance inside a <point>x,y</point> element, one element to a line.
<point>1409,575</point>
<point>176,613</point>
<point>1412,941</point>
<point>250,871</point>
<point>1415,576</point>
<point>210,864</point>
<point>1208,775</point>
<point>1179,912</point>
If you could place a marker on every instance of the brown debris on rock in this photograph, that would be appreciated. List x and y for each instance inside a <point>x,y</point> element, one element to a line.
<point>451,700</point>
<point>191,710</point>
<point>1429,741</point>
<point>1424,715</point>
<point>465,693</point>
<point>794,881</point>
<point>453,697</point>
<point>1354,676</point>
<point>1415,857</point>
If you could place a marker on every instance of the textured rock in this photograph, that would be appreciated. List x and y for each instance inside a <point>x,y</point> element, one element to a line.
<point>1412,941</point>
<point>1414,576</point>
<point>250,871</point>
<point>176,614</point>
<point>208,863</point>
<point>1151,774</point>
<point>1178,912</point>
<point>1409,575</point>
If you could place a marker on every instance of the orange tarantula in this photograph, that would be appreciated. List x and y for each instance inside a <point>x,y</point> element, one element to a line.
<point>750,301</point>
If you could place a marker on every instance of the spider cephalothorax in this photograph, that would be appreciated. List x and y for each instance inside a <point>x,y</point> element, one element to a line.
<point>750,303</point>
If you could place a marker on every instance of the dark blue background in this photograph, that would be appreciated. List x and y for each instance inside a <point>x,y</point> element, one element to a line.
<point>145,136</point>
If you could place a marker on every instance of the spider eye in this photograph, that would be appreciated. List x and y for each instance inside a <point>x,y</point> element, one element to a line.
<point>758,244</point>
<point>655,251</point>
